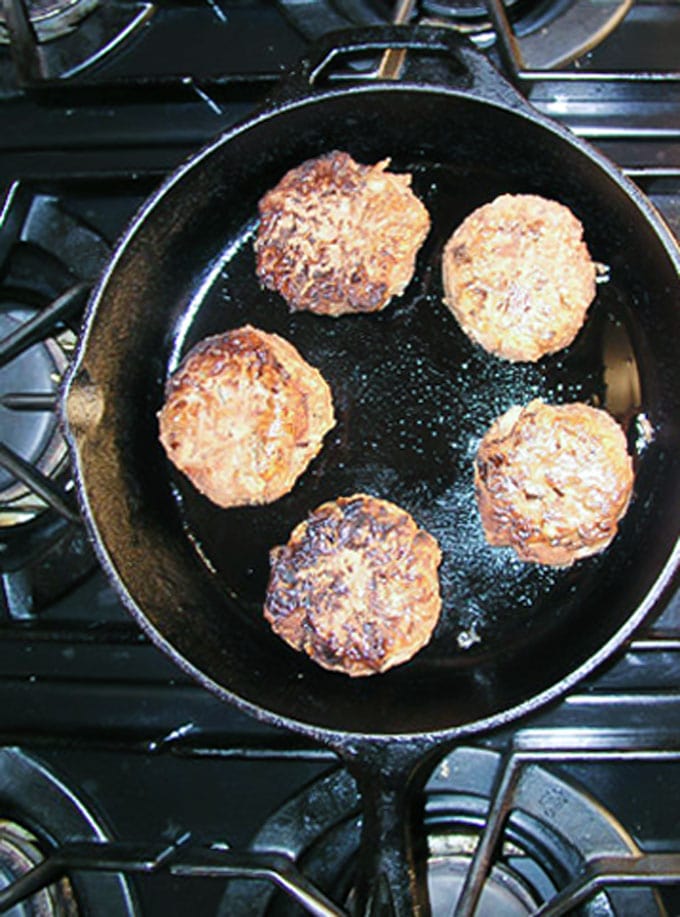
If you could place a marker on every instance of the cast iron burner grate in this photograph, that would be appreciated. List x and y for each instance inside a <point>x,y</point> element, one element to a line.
<point>86,688</point>
<point>42,813</point>
<point>19,853</point>
<point>506,834</point>
<point>550,33</point>
<point>29,381</point>
<point>51,18</point>
<point>58,38</point>
<point>45,255</point>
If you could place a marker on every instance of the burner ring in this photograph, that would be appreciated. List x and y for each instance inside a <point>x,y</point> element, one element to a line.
<point>503,892</point>
<point>550,33</point>
<point>555,827</point>
<point>52,18</point>
<point>37,804</point>
<point>19,853</point>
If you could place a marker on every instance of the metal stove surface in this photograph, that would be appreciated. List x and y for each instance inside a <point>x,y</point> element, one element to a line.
<point>145,757</point>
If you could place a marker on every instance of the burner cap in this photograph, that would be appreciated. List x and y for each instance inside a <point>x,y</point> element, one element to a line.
<point>503,892</point>
<point>456,10</point>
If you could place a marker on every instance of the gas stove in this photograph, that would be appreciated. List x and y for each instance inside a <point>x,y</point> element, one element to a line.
<point>127,789</point>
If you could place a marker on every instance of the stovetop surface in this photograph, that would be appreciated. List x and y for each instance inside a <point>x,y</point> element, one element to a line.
<point>81,689</point>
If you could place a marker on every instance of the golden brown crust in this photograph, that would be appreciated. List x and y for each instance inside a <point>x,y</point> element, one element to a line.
<point>356,586</point>
<point>338,237</point>
<point>518,276</point>
<point>552,482</point>
<point>244,416</point>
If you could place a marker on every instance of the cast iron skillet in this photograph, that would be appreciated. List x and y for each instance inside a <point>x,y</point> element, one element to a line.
<point>412,397</point>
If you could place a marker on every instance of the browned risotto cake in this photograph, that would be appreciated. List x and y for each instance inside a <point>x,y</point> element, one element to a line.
<point>518,276</point>
<point>553,482</point>
<point>244,416</point>
<point>338,237</point>
<point>356,587</point>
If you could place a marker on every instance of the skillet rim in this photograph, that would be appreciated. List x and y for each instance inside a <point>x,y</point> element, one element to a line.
<point>514,104</point>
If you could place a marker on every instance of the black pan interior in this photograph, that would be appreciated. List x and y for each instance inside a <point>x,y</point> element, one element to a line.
<point>412,397</point>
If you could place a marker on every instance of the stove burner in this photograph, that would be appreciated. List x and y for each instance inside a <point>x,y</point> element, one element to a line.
<point>19,853</point>
<point>550,33</point>
<point>48,256</point>
<point>503,892</point>
<point>53,39</point>
<point>31,434</point>
<point>32,797</point>
<point>462,10</point>
<point>52,18</point>
<point>554,829</point>
<point>42,251</point>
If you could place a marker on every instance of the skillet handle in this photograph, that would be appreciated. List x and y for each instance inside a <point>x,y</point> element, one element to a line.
<point>461,66</point>
<point>392,870</point>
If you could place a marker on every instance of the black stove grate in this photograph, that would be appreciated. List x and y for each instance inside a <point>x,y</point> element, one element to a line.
<point>635,869</point>
<point>65,307</point>
<point>80,687</point>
